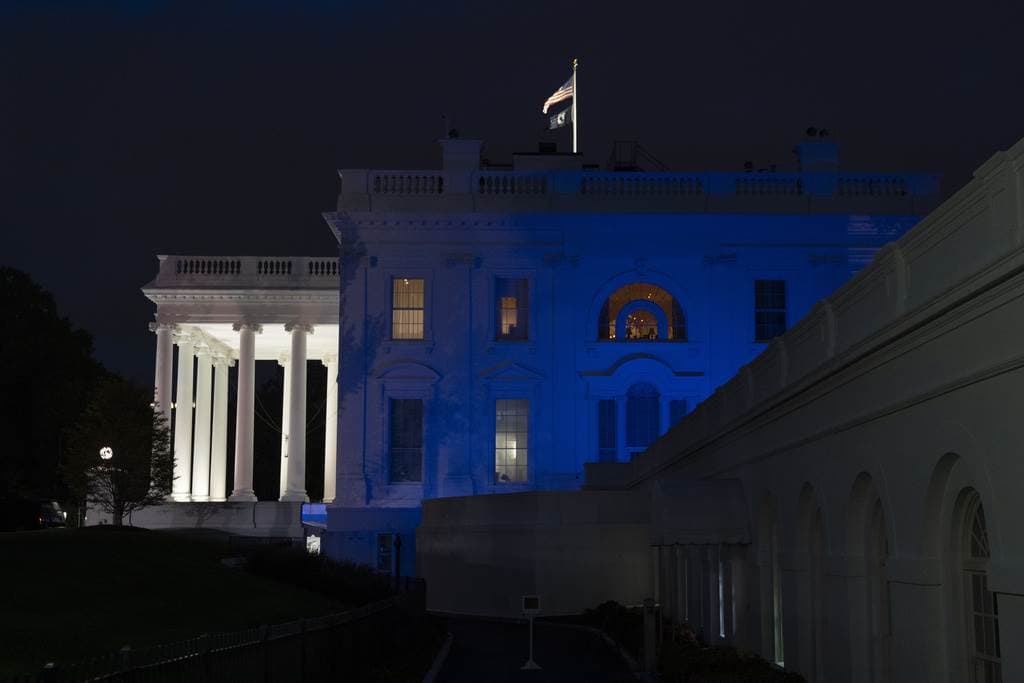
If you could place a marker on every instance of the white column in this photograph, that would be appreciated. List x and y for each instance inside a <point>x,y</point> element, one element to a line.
<point>285,422</point>
<point>296,489</point>
<point>244,417</point>
<point>219,440</point>
<point>331,436</point>
<point>183,423</point>
<point>162,383</point>
<point>201,447</point>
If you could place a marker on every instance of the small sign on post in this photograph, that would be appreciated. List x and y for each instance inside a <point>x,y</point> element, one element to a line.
<point>531,607</point>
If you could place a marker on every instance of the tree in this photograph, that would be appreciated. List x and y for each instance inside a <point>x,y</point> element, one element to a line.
<point>46,368</point>
<point>140,469</point>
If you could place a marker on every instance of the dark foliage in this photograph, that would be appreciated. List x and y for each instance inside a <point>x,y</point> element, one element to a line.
<point>345,582</point>
<point>119,414</point>
<point>681,662</point>
<point>46,369</point>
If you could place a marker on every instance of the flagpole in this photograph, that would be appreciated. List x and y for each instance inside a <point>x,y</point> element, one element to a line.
<point>575,109</point>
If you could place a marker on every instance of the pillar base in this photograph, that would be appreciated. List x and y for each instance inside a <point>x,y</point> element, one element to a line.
<point>218,500</point>
<point>245,496</point>
<point>294,497</point>
<point>181,497</point>
<point>200,499</point>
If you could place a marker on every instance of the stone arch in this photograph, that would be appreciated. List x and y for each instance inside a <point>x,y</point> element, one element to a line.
<point>634,276</point>
<point>869,544</point>
<point>769,551</point>
<point>812,549</point>
<point>973,641</point>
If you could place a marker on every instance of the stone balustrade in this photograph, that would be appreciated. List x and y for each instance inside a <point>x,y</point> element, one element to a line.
<point>248,271</point>
<point>368,190</point>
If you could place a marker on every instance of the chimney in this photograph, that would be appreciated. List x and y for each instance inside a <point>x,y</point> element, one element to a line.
<point>816,153</point>
<point>459,155</point>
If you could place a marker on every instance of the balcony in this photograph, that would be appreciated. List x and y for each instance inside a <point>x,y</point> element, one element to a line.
<point>248,272</point>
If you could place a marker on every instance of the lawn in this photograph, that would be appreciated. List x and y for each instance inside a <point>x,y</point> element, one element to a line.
<point>71,594</point>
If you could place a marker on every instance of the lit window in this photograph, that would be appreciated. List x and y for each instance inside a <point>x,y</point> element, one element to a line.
<point>769,309</point>
<point>643,416</point>
<point>512,298</point>
<point>407,308</point>
<point>384,543</point>
<point>511,434</point>
<point>406,440</point>
<point>660,311</point>
<point>607,448</point>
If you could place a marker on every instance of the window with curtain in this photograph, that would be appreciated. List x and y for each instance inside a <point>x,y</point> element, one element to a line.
<point>405,443</point>
<point>511,438</point>
<point>607,446</point>
<point>643,415</point>
<point>407,308</point>
<point>769,309</point>
<point>511,299</point>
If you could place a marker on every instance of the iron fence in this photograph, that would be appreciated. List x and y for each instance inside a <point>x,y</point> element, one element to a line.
<point>344,647</point>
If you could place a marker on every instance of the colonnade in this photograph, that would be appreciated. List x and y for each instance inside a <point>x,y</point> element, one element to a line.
<point>200,425</point>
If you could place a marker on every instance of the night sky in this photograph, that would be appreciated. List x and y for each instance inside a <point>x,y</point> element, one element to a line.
<point>136,128</point>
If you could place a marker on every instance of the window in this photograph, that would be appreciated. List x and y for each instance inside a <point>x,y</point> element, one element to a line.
<point>769,309</point>
<point>643,416</point>
<point>384,544</point>
<point>511,434</point>
<point>641,312</point>
<point>407,308</point>
<point>676,411</point>
<point>512,299</point>
<point>982,609</point>
<point>406,440</point>
<point>607,448</point>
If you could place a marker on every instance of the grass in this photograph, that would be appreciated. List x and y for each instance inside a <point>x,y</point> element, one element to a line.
<point>70,594</point>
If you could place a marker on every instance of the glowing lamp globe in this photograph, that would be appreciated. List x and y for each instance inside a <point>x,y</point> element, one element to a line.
<point>106,452</point>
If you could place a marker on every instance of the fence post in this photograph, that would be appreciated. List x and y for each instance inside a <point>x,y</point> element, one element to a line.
<point>265,643</point>
<point>203,647</point>
<point>650,660</point>
<point>302,648</point>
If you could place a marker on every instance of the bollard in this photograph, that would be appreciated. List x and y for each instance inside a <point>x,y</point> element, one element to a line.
<point>650,656</point>
<point>125,657</point>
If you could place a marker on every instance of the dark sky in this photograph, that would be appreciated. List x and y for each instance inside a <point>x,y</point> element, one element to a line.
<point>135,128</point>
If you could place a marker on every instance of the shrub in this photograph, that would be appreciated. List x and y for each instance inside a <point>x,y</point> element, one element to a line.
<point>346,582</point>
<point>690,663</point>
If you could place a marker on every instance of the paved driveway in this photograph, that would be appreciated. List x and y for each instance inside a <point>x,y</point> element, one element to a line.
<point>492,652</point>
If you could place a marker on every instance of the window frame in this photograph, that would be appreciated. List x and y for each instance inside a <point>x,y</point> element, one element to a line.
<point>388,460</point>
<point>398,273</point>
<point>529,441</point>
<point>758,278</point>
<point>531,315</point>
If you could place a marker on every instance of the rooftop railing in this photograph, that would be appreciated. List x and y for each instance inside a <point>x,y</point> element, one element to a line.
<point>252,271</point>
<point>574,190</point>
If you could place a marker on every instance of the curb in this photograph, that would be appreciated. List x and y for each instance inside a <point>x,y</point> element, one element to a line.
<point>439,659</point>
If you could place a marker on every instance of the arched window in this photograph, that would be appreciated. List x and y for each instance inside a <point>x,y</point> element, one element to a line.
<point>981,610</point>
<point>643,416</point>
<point>641,312</point>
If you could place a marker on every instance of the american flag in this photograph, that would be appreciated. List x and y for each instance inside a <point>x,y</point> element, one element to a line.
<point>565,92</point>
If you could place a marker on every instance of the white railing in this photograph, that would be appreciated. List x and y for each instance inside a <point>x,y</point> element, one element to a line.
<point>275,271</point>
<point>592,185</point>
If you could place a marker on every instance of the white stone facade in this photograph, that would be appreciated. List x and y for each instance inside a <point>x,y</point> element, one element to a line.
<point>876,450</point>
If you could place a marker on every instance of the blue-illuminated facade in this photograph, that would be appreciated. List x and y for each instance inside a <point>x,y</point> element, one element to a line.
<point>500,328</point>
